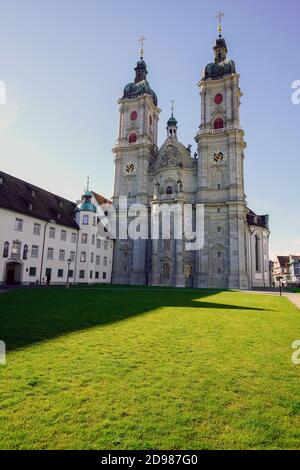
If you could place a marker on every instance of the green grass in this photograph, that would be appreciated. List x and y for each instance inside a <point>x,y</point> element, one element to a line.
<point>296,290</point>
<point>148,369</point>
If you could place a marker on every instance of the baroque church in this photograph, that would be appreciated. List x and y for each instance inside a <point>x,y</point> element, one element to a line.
<point>235,253</point>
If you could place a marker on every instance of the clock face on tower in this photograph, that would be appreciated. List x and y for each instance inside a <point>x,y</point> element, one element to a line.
<point>130,168</point>
<point>219,157</point>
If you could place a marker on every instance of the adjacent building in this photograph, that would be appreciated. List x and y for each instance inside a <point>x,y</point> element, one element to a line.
<point>43,235</point>
<point>286,270</point>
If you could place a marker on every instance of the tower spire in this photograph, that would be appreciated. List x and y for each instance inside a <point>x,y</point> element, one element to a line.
<point>172,123</point>
<point>142,41</point>
<point>219,17</point>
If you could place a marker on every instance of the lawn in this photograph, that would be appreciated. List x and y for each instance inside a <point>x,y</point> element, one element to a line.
<point>148,369</point>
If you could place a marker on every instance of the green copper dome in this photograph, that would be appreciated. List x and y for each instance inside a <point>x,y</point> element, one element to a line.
<point>217,70</point>
<point>221,66</point>
<point>86,203</point>
<point>172,121</point>
<point>141,85</point>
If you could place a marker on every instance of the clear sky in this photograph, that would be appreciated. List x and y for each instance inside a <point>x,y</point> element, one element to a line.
<point>65,64</point>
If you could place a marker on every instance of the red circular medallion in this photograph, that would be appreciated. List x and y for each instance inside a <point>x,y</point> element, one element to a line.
<point>218,98</point>
<point>133,115</point>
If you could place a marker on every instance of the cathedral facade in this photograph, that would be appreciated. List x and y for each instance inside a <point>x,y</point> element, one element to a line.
<point>235,252</point>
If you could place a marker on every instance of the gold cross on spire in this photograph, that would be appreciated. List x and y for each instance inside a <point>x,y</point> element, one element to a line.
<point>219,16</point>
<point>142,41</point>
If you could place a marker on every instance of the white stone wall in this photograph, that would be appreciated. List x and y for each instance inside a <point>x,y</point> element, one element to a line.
<point>27,237</point>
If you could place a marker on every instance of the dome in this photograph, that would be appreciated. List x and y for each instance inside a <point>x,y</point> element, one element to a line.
<point>217,70</point>
<point>133,90</point>
<point>140,86</point>
<point>86,204</point>
<point>172,121</point>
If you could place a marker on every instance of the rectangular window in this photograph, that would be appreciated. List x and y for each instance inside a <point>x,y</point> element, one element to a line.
<point>85,220</point>
<point>32,272</point>
<point>81,274</point>
<point>84,238</point>
<point>92,257</point>
<point>97,275</point>
<point>36,229</point>
<point>71,273</point>
<point>94,221</point>
<point>93,239</point>
<point>105,261</point>
<point>104,276</point>
<point>19,225</point>
<point>72,256</point>
<point>16,248</point>
<point>52,232</point>
<point>105,245</point>
<point>34,251</point>
<point>83,257</point>
<point>50,253</point>
<point>63,235</point>
<point>73,237</point>
<point>97,260</point>
<point>62,255</point>
<point>60,273</point>
<point>98,243</point>
<point>91,274</point>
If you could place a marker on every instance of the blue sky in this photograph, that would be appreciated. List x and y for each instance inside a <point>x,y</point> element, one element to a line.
<point>65,63</point>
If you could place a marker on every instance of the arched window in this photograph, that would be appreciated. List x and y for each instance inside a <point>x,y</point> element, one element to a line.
<point>169,190</point>
<point>150,120</point>
<point>6,250</point>
<point>132,138</point>
<point>219,123</point>
<point>257,254</point>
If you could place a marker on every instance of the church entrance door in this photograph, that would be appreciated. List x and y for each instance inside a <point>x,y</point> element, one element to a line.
<point>13,273</point>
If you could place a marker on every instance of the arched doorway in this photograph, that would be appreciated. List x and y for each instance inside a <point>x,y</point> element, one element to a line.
<point>13,273</point>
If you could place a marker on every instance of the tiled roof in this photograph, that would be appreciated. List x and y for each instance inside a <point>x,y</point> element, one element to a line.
<point>19,196</point>
<point>257,220</point>
<point>101,199</point>
<point>283,261</point>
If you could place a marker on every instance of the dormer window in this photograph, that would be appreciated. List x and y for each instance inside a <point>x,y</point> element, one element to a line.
<point>169,190</point>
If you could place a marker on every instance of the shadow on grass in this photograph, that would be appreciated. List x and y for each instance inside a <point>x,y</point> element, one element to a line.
<point>29,316</point>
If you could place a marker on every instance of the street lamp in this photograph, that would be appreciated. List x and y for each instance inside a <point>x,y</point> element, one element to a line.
<point>280,279</point>
<point>69,263</point>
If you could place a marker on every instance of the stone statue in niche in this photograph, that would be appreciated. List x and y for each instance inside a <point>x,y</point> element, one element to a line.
<point>179,185</point>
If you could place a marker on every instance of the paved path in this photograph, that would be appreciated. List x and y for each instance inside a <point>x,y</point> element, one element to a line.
<point>294,298</point>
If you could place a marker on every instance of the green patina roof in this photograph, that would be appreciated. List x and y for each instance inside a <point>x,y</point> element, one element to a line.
<point>172,121</point>
<point>86,204</point>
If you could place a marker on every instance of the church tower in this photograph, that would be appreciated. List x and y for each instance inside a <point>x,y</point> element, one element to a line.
<point>135,147</point>
<point>222,263</point>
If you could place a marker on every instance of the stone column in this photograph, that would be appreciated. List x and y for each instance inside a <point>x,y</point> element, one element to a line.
<point>180,282</point>
<point>138,273</point>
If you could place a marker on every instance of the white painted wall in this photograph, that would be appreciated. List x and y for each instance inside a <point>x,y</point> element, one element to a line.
<point>27,237</point>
